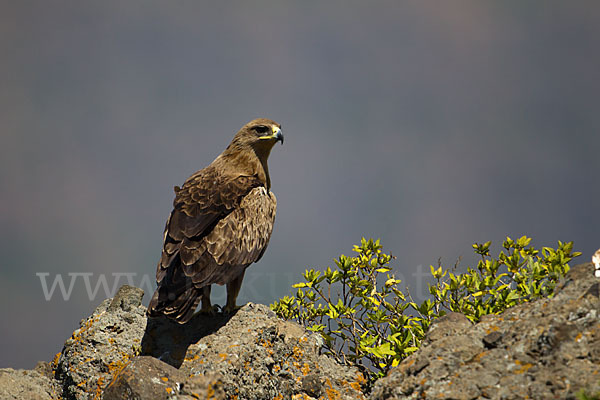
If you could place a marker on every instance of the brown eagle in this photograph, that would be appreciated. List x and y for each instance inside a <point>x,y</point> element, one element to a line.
<point>221,223</point>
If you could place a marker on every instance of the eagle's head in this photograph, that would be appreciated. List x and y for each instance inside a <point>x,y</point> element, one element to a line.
<point>260,135</point>
<point>261,132</point>
<point>252,145</point>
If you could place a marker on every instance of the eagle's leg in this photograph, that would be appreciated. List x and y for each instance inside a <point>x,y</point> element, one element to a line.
<point>207,307</point>
<point>233,289</point>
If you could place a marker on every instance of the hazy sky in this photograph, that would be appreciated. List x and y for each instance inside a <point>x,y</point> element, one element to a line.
<point>430,125</point>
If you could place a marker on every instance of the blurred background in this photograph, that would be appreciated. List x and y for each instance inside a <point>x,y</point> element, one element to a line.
<point>430,125</point>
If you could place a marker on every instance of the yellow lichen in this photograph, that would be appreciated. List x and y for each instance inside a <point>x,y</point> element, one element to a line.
<point>492,328</point>
<point>331,392</point>
<point>193,358</point>
<point>523,367</point>
<point>55,361</point>
<point>297,352</point>
<point>355,386</point>
<point>305,369</point>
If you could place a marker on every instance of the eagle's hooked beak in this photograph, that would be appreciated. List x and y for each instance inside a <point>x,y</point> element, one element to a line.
<point>277,135</point>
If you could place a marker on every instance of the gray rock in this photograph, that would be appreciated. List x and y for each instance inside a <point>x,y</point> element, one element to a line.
<point>254,355</point>
<point>548,348</point>
<point>103,345</point>
<point>249,355</point>
<point>27,384</point>
<point>145,378</point>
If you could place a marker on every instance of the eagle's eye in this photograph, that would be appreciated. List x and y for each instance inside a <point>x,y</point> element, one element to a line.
<point>261,129</point>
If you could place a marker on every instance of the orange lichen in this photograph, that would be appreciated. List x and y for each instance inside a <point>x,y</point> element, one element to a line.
<point>76,336</point>
<point>331,392</point>
<point>223,356</point>
<point>99,388</point>
<point>193,358</point>
<point>114,369</point>
<point>479,356</point>
<point>355,386</point>
<point>169,390</point>
<point>164,379</point>
<point>492,328</point>
<point>523,367</point>
<point>305,369</point>
<point>297,352</point>
<point>55,361</point>
<point>361,379</point>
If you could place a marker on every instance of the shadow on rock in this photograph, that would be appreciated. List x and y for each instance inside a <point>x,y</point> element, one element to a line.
<point>168,340</point>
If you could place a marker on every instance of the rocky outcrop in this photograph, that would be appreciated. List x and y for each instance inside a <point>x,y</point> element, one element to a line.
<point>103,345</point>
<point>118,353</point>
<point>547,349</point>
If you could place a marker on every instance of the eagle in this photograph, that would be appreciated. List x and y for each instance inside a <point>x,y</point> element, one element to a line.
<point>221,222</point>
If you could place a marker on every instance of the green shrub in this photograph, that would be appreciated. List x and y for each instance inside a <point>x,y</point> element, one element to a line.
<point>366,320</point>
<point>518,275</point>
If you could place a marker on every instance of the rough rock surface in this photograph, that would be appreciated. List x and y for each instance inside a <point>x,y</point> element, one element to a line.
<point>248,355</point>
<point>547,349</point>
<point>149,378</point>
<point>36,384</point>
<point>251,355</point>
<point>103,345</point>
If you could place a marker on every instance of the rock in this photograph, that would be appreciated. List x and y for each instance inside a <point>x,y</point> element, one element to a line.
<point>491,340</point>
<point>549,348</point>
<point>103,345</point>
<point>253,355</point>
<point>149,378</point>
<point>447,325</point>
<point>118,353</point>
<point>144,378</point>
<point>27,384</point>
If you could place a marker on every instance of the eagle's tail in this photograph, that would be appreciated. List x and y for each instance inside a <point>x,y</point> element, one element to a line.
<point>177,299</point>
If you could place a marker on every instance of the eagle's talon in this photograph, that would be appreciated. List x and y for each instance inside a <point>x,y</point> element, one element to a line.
<point>210,311</point>
<point>228,310</point>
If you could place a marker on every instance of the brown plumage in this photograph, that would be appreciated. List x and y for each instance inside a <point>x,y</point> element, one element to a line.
<point>221,223</point>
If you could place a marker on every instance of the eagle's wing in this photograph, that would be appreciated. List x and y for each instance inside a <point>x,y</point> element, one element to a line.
<point>236,241</point>
<point>205,199</point>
